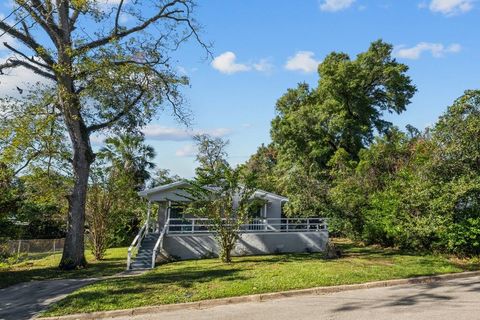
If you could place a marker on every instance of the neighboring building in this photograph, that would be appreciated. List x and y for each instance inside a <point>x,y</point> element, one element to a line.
<point>170,233</point>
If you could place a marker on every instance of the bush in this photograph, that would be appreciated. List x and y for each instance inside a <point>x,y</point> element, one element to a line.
<point>464,238</point>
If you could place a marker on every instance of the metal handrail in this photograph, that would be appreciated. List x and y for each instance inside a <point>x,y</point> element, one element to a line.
<point>136,242</point>
<point>202,225</point>
<point>159,243</point>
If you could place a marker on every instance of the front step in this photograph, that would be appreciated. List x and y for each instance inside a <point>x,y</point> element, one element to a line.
<point>143,260</point>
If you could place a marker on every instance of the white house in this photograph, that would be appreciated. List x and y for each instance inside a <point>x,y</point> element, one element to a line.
<point>170,233</point>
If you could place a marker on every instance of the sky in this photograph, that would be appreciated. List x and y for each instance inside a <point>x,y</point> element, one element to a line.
<point>262,48</point>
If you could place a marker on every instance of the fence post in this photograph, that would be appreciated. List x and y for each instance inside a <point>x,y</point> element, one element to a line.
<point>193,225</point>
<point>54,245</point>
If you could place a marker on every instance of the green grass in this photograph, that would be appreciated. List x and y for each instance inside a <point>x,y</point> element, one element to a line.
<point>46,267</point>
<point>187,281</point>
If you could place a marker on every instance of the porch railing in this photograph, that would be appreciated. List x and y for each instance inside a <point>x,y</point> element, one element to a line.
<point>147,227</point>
<point>203,225</point>
<point>159,243</point>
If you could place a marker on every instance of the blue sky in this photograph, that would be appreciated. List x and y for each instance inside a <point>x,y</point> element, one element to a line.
<point>261,48</point>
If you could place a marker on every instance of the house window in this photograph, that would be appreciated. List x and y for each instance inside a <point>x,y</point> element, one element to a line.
<point>176,213</point>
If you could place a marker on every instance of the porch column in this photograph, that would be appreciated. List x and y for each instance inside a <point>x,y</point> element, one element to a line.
<point>149,209</point>
<point>265,207</point>
<point>162,215</point>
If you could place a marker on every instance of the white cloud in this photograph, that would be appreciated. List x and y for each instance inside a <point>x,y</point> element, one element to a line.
<point>437,50</point>
<point>451,7</point>
<point>302,61</point>
<point>109,2</point>
<point>9,40</point>
<point>226,63</point>
<point>97,139</point>
<point>263,65</point>
<point>188,150</point>
<point>18,77</point>
<point>335,5</point>
<point>158,132</point>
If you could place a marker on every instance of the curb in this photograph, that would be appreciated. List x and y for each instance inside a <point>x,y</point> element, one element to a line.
<point>261,297</point>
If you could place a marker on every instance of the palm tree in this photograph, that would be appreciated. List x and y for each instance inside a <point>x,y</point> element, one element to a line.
<point>129,155</point>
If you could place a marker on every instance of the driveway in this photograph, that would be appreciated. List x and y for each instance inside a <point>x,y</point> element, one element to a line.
<point>24,300</point>
<point>454,299</point>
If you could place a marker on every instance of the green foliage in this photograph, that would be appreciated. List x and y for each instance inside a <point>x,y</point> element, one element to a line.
<point>217,193</point>
<point>336,156</point>
<point>113,207</point>
<point>261,167</point>
<point>418,191</point>
<point>342,113</point>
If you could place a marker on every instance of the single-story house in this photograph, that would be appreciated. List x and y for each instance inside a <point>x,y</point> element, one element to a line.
<point>169,233</point>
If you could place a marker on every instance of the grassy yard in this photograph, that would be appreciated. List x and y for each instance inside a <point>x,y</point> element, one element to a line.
<point>46,268</point>
<point>206,279</point>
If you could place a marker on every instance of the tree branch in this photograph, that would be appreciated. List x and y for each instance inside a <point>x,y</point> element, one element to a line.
<point>31,59</point>
<point>118,116</point>
<point>117,16</point>
<point>13,63</point>
<point>47,23</point>
<point>118,35</point>
<point>28,41</point>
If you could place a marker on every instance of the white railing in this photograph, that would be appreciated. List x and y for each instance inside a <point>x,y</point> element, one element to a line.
<point>137,242</point>
<point>203,225</point>
<point>159,243</point>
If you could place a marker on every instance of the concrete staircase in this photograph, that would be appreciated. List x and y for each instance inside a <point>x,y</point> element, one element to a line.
<point>143,260</point>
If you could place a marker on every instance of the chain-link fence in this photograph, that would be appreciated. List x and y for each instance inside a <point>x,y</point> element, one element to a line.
<point>33,248</point>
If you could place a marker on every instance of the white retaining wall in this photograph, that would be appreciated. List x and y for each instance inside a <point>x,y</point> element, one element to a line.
<point>197,246</point>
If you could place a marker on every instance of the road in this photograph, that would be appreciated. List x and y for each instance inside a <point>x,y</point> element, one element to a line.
<point>454,299</point>
<point>24,300</point>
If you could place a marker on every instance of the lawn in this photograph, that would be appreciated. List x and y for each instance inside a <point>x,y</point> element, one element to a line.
<point>46,268</point>
<point>195,280</point>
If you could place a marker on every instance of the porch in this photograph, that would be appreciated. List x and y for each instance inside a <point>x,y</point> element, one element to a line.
<point>258,225</point>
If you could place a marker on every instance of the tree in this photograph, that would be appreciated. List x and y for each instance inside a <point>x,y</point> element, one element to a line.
<point>455,165</point>
<point>262,165</point>
<point>102,74</point>
<point>128,154</point>
<point>112,200</point>
<point>162,177</point>
<point>343,112</point>
<point>217,193</point>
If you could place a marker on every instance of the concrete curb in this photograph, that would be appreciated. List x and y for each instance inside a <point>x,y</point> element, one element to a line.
<point>261,297</point>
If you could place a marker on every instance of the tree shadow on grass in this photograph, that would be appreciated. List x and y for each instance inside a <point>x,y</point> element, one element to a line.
<point>108,291</point>
<point>187,276</point>
<point>13,276</point>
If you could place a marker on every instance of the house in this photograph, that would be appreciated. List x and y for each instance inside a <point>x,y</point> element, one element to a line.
<point>171,233</point>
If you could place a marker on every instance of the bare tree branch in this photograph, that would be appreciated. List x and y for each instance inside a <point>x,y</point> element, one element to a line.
<point>117,16</point>
<point>163,13</point>
<point>50,28</point>
<point>31,59</point>
<point>28,41</point>
<point>13,63</point>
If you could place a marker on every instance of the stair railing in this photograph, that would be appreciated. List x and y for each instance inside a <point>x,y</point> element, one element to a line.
<point>159,243</point>
<point>136,242</point>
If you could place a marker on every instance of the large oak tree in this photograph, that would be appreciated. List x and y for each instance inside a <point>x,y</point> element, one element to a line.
<point>106,68</point>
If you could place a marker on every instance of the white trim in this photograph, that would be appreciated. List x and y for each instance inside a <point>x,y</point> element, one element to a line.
<point>258,193</point>
<point>165,187</point>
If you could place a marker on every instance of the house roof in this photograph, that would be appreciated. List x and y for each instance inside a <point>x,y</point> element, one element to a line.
<point>165,187</point>
<point>182,183</point>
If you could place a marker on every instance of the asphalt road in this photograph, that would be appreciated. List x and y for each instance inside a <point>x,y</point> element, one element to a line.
<point>451,300</point>
<point>24,300</point>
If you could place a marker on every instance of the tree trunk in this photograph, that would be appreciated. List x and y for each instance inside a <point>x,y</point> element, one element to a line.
<point>73,253</point>
<point>74,250</point>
